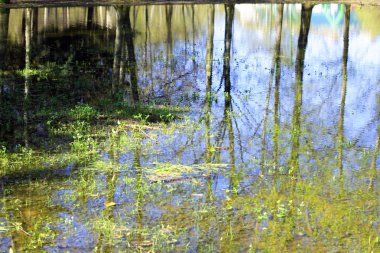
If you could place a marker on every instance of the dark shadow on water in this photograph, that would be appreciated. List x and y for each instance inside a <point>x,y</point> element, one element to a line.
<point>51,174</point>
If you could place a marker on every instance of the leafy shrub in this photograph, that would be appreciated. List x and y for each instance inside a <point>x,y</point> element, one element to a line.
<point>83,112</point>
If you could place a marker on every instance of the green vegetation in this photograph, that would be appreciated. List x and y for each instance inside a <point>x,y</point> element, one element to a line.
<point>139,129</point>
<point>271,213</point>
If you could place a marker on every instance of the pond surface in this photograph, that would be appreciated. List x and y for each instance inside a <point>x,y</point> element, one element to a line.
<point>190,128</point>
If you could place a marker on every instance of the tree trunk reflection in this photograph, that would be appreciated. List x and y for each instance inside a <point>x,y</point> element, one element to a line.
<point>298,89</point>
<point>275,71</point>
<point>28,31</point>
<point>343,91</point>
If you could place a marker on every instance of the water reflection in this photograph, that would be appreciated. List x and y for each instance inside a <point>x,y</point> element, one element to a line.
<point>344,88</point>
<point>298,87</point>
<point>263,83</point>
<point>28,31</point>
<point>274,71</point>
<point>277,71</point>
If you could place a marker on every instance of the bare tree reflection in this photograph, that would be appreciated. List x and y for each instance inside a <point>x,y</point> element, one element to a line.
<point>28,31</point>
<point>343,90</point>
<point>124,44</point>
<point>275,71</point>
<point>209,65</point>
<point>306,13</point>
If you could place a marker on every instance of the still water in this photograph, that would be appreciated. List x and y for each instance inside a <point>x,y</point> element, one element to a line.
<point>268,138</point>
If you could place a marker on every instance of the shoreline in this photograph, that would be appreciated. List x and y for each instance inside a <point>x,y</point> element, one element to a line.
<point>76,3</point>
